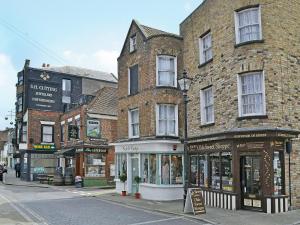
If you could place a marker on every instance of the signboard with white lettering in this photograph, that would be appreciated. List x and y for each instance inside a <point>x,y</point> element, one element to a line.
<point>194,202</point>
<point>44,95</point>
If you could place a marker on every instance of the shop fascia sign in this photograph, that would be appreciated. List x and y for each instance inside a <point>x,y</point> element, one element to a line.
<point>210,147</point>
<point>91,150</point>
<point>44,147</point>
<point>130,148</point>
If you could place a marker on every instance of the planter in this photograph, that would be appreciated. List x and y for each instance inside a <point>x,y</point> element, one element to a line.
<point>137,195</point>
<point>123,193</point>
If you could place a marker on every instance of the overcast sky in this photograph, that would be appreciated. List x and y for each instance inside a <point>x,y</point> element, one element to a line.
<point>88,34</point>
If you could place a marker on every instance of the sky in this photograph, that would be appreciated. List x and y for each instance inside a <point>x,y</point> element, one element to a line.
<point>88,34</point>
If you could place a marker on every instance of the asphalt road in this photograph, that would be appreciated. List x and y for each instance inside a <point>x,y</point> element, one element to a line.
<point>56,206</point>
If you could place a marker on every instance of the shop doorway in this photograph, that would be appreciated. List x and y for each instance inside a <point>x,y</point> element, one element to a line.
<point>135,172</point>
<point>251,193</point>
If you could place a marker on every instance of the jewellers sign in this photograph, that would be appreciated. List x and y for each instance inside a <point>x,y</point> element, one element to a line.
<point>44,95</point>
<point>209,147</point>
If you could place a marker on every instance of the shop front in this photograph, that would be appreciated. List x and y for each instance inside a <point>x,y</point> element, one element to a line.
<point>244,170</point>
<point>159,164</point>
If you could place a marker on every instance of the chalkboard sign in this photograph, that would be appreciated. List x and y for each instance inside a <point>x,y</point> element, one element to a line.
<point>194,202</point>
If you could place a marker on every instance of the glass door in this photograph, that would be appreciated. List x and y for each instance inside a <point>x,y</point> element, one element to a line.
<point>251,182</point>
<point>135,171</point>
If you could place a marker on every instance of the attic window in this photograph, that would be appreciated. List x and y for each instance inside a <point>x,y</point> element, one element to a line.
<point>132,46</point>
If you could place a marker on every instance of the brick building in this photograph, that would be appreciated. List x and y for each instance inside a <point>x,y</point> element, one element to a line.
<point>86,132</point>
<point>244,59</point>
<point>43,95</point>
<point>149,111</point>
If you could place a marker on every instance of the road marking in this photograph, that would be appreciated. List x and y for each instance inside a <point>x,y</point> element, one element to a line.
<point>156,221</point>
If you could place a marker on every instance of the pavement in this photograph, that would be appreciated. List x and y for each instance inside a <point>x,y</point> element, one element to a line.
<point>174,209</point>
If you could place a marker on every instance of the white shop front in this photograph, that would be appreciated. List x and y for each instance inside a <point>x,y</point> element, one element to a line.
<point>159,163</point>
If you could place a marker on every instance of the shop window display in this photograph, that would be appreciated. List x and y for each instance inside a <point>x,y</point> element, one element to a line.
<point>95,165</point>
<point>194,170</point>
<point>165,169</point>
<point>145,168</point>
<point>278,173</point>
<point>215,170</point>
<point>176,171</point>
<point>203,171</point>
<point>152,169</point>
<point>227,179</point>
<point>121,164</point>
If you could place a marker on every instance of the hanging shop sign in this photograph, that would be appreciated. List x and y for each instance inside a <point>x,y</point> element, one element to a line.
<point>73,131</point>
<point>44,147</point>
<point>194,202</point>
<point>93,128</point>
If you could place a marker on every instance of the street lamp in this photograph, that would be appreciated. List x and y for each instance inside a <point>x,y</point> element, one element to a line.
<point>184,84</point>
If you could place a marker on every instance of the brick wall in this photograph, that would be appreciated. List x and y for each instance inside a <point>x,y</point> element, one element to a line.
<point>278,56</point>
<point>149,95</point>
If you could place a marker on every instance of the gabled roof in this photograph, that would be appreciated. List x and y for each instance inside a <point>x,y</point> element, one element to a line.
<point>82,72</point>
<point>148,32</point>
<point>105,102</point>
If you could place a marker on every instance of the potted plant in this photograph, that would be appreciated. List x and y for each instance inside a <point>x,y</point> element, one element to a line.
<point>137,180</point>
<point>123,179</point>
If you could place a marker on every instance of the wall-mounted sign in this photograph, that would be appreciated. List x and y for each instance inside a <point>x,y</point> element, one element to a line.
<point>73,131</point>
<point>219,146</point>
<point>43,95</point>
<point>130,148</point>
<point>44,147</point>
<point>93,128</point>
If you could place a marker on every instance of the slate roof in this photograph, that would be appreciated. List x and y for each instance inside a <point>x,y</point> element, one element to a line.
<point>105,102</point>
<point>152,32</point>
<point>82,72</point>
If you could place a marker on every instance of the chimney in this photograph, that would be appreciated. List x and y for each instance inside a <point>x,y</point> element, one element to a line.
<point>27,62</point>
<point>48,65</point>
<point>44,65</point>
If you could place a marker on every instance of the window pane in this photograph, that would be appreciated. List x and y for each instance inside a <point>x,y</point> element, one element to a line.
<point>95,165</point>
<point>215,171</point>
<point>177,169</point>
<point>227,171</point>
<point>278,173</point>
<point>194,170</point>
<point>248,22</point>
<point>166,70</point>
<point>145,163</point>
<point>165,169</point>
<point>203,170</point>
<point>153,173</point>
<point>122,164</point>
<point>134,80</point>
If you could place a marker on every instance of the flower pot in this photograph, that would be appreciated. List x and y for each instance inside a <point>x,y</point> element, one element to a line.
<point>137,195</point>
<point>123,193</point>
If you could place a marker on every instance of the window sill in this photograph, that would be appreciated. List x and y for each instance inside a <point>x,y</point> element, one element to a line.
<point>166,136</point>
<point>164,86</point>
<point>130,95</point>
<point>252,117</point>
<point>133,51</point>
<point>249,42</point>
<point>205,63</point>
<point>207,125</point>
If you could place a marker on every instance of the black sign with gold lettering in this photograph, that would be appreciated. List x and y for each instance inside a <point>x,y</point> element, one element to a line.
<point>194,202</point>
<point>73,132</point>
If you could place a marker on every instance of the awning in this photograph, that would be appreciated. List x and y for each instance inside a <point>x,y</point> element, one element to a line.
<point>66,152</point>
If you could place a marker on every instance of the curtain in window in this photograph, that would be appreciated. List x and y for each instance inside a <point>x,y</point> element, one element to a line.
<point>135,122</point>
<point>167,120</point>
<point>207,50</point>
<point>47,133</point>
<point>166,71</point>
<point>249,25</point>
<point>208,105</point>
<point>252,96</point>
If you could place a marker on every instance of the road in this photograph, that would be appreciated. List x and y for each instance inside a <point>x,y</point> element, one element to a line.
<point>60,206</point>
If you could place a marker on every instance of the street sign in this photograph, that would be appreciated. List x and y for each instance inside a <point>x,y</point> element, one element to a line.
<point>194,202</point>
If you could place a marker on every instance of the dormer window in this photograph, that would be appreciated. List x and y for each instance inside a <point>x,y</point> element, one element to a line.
<point>132,46</point>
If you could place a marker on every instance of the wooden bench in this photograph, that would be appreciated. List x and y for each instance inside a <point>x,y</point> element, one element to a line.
<point>50,179</point>
<point>42,178</point>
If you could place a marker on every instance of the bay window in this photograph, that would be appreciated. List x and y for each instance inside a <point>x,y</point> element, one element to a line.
<point>251,94</point>
<point>166,71</point>
<point>167,120</point>
<point>248,25</point>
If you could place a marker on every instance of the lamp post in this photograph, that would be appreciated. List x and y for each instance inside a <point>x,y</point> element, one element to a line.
<point>184,84</point>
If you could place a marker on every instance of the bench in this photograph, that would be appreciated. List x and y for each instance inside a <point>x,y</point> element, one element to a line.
<point>42,178</point>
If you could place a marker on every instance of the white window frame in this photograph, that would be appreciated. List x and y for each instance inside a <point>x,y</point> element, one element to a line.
<point>130,123</point>
<point>176,121</point>
<point>175,69</point>
<point>42,133</point>
<point>132,43</point>
<point>203,106</point>
<point>201,48</point>
<point>237,28</point>
<point>240,109</point>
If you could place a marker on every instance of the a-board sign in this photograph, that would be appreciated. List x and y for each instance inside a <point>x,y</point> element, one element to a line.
<point>194,202</point>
